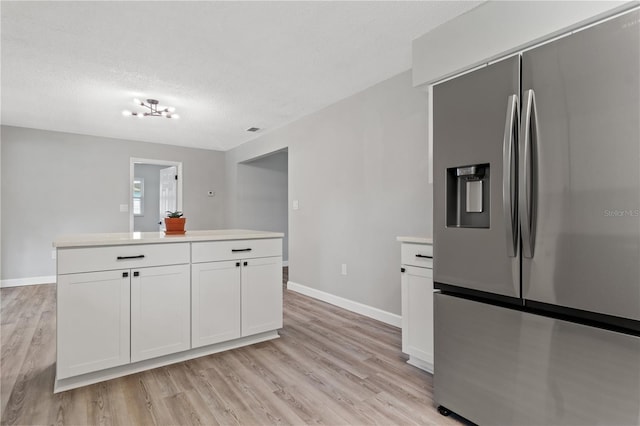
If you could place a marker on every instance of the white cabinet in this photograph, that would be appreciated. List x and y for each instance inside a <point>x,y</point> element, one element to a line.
<point>93,322</point>
<point>215,302</point>
<point>127,308</point>
<point>417,304</point>
<point>111,318</point>
<point>261,295</point>
<point>160,311</point>
<point>115,306</point>
<point>235,298</point>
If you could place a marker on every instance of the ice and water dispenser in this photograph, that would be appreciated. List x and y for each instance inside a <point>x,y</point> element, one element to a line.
<point>468,196</point>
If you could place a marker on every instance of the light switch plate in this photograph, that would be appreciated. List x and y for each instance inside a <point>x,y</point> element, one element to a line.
<point>296,205</point>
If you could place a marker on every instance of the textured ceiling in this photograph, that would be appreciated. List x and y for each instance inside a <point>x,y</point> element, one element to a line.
<point>225,66</point>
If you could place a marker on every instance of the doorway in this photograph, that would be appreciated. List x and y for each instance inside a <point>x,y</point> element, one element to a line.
<point>155,188</point>
<point>262,195</point>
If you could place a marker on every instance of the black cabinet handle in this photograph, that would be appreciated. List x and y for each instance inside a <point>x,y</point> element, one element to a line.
<point>136,274</point>
<point>140,256</point>
<point>237,264</point>
<point>402,269</point>
<point>125,274</point>
<point>245,263</point>
<point>424,256</point>
<point>238,250</point>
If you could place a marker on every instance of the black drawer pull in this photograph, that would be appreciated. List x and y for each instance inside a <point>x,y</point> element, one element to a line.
<point>424,256</point>
<point>237,250</point>
<point>237,264</point>
<point>136,274</point>
<point>140,256</point>
<point>245,263</point>
<point>402,270</point>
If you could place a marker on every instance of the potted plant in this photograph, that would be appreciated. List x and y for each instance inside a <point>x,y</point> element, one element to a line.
<point>174,223</point>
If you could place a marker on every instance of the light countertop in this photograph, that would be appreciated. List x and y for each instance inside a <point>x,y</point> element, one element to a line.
<point>126,238</point>
<point>416,240</point>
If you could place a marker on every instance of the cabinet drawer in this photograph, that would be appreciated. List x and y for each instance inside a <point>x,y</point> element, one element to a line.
<point>212,251</point>
<point>89,259</point>
<point>417,255</point>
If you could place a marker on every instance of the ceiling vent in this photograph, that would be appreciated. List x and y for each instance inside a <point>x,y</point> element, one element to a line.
<point>253,129</point>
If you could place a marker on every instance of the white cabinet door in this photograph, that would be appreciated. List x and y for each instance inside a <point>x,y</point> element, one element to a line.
<point>215,302</point>
<point>93,322</point>
<point>160,311</point>
<point>261,295</point>
<point>417,312</point>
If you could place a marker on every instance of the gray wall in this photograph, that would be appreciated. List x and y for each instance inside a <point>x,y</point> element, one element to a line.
<point>359,171</point>
<point>148,222</point>
<point>262,194</point>
<point>1,239</point>
<point>57,183</point>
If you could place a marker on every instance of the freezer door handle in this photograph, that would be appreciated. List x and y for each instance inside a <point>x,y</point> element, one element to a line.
<point>527,185</point>
<point>509,174</point>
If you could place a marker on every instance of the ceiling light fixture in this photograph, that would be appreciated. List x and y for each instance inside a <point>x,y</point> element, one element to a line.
<point>154,110</point>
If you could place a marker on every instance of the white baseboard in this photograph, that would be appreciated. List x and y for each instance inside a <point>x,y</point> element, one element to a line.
<point>17,282</point>
<point>285,263</point>
<point>350,305</point>
<point>421,364</point>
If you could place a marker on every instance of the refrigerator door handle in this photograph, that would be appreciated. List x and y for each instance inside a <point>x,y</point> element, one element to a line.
<point>509,206</point>
<point>528,178</point>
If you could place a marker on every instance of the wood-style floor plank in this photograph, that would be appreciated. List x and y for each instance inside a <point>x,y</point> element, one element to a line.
<point>329,367</point>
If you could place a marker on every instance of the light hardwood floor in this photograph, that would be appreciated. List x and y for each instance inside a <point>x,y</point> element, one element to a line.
<point>330,366</point>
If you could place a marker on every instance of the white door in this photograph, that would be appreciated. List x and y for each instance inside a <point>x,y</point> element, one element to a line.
<point>168,193</point>
<point>93,322</point>
<point>160,311</point>
<point>215,302</point>
<point>261,295</point>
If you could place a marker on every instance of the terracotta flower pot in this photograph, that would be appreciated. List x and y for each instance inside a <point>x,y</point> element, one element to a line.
<point>174,225</point>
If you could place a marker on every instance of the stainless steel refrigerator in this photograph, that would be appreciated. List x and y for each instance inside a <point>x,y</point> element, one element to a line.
<point>537,233</point>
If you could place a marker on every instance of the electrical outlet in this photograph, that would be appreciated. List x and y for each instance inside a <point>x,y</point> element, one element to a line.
<point>296,205</point>
<point>53,255</point>
<point>344,269</point>
<point>124,208</point>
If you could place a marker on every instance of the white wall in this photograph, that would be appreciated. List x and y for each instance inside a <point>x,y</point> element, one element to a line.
<point>148,221</point>
<point>262,196</point>
<point>57,183</point>
<point>359,171</point>
<point>496,28</point>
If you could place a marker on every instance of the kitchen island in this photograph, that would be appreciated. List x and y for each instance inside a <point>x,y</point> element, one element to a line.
<point>129,302</point>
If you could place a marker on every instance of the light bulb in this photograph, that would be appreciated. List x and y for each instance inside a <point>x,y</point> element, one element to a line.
<point>176,116</point>
<point>163,113</point>
<point>126,113</point>
<point>171,109</point>
<point>138,101</point>
<point>139,115</point>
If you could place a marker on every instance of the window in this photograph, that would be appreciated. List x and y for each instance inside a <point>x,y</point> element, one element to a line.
<point>138,196</point>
